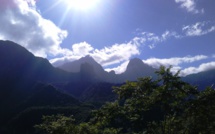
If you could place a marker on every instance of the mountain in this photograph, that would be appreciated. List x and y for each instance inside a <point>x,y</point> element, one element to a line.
<point>85,65</point>
<point>20,73</point>
<point>135,69</point>
<point>75,65</point>
<point>201,79</point>
<point>18,63</point>
<point>20,69</point>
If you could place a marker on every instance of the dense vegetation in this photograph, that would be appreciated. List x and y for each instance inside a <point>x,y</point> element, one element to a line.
<point>166,105</point>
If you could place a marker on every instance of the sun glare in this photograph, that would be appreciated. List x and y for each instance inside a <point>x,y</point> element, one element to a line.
<point>81,4</point>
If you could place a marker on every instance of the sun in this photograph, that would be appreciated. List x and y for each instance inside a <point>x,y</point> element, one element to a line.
<point>83,5</point>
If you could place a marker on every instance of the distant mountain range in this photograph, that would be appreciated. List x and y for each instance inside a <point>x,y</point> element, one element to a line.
<point>31,86</point>
<point>135,69</point>
<point>23,69</point>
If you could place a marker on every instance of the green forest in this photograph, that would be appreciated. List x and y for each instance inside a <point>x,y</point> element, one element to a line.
<point>165,105</point>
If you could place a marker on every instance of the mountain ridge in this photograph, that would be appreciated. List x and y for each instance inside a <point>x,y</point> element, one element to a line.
<point>136,68</point>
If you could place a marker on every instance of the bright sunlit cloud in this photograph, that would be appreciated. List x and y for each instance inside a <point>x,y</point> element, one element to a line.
<point>83,5</point>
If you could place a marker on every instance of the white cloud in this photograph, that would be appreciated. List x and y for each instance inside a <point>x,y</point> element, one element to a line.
<point>21,23</point>
<point>119,69</point>
<point>198,29</point>
<point>115,54</point>
<point>107,56</point>
<point>174,61</point>
<point>151,39</point>
<point>61,60</point>
<point>82,49</point>
<point>190,6</point>
<point>200,68</point>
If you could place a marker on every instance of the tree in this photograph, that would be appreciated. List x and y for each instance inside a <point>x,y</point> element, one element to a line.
<point>145,101</point>
<point>57,124</point>
<point>166,105</point>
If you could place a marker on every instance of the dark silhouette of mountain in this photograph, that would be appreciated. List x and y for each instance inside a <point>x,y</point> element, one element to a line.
<point>95,69</point>
<point>17,62</point>
<point>20,69</point>
<point>201,79</point>
<point>135,69</point>
<point>20,72</point>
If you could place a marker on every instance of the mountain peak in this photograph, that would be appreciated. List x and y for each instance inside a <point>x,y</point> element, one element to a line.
<point>135,61</point>
<point>134,64</point>
<point>87,58</point>
<point>137,68</point>
<point>75,65</point>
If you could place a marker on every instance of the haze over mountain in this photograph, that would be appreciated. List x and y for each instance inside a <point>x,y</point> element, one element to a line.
<point>78,65</point>
<point>135,69</point>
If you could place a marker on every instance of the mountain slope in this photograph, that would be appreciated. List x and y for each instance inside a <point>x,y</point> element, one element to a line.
<point>20,72</point>
<point>20,69</point>
<point>202,79</point>
<point>16,62</point>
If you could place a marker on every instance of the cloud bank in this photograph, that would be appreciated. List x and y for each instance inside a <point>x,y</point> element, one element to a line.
<point>106,56</point>
<point>21,23</point>
<point>175,62</point>
<point>200,68</point>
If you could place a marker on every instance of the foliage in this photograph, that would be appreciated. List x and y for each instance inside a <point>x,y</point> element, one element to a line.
<point>57,124</point>
<point>166,105</point>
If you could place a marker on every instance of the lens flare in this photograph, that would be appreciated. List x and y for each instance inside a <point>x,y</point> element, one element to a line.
<point>81,4</point>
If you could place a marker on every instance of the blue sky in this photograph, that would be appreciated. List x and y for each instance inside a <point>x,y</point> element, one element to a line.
<point>180,33</point>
